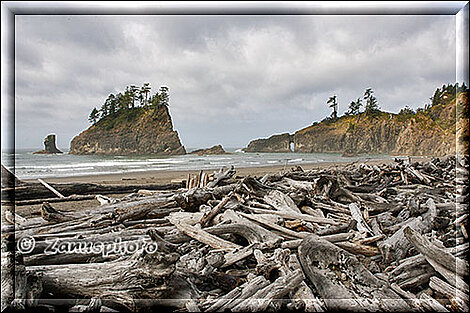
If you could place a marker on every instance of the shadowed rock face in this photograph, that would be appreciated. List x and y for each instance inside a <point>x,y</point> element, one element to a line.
<point>218,149</point>
<point>49,146</point>
<point>136,132</point>
<point>275,143</point>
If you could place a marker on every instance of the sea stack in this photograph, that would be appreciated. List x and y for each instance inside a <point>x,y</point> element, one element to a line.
<point>49,146</point>
<point>136,131</point>
<point>215,150</point>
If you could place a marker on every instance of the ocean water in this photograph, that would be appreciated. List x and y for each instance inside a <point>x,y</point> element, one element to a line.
<point>32,166</point>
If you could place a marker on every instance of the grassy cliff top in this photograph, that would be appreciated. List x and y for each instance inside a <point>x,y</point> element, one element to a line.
<point>441,116</point>
<point>132,118</point>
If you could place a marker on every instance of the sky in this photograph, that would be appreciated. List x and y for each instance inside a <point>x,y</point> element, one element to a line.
<point>232,79</point>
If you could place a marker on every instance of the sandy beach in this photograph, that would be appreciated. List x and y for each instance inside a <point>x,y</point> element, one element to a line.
<point>160,177</point>
<point>163,177</point>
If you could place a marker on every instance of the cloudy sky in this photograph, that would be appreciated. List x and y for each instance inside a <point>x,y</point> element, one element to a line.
<point>231,78</point>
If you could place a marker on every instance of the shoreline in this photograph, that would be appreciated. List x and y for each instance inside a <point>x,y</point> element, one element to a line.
<point>163,177</point>
<point>167,176</point>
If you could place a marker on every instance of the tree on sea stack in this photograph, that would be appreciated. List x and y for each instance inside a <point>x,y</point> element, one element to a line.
<point>133,92</point>
<point>145,91</point>
<point>94,116</point>
<point>354,107</point>
<point>334,105</point>
<point>164,95</point>
<point>113,105</point>
<point>371,101</point>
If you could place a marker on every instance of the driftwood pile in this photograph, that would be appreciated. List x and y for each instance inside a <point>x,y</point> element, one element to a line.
<point>361,237</point>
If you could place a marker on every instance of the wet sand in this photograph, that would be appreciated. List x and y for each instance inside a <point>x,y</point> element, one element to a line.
<point>163,177</point>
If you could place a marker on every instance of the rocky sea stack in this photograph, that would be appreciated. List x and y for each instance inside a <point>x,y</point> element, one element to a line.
<point>49,146</point>
<point>215,150</point>
<point>135,131</point>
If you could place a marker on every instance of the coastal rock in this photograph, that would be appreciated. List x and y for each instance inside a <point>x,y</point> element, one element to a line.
<point>49,146</point>
<point>215,150</point>
<point>462,134</point>
<point>131,132</point>
<point>276,143</point>
<point>427,133</point>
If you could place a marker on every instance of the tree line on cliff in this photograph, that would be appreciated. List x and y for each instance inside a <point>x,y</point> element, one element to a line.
<point>131,98</point>
<point>446,93</point>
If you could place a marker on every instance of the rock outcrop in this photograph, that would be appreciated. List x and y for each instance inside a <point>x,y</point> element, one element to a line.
<point>430,132</point>
<point>137,131</point>
<point>275,143</point>
<point>215,150</point>
<point>382,135</point>
<point>49,146</point>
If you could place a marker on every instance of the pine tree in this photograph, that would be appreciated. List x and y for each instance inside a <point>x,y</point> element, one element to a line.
<point>371,102</point>
<point>94,116</point>
<point>354,107</point>
<point>334,105</point>
<point>145,91</point>
<point>164,96</point>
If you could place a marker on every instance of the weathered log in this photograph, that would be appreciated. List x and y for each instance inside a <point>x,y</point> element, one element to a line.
<point>206,219</point>
<point>345,227</point>
<point>264,297</point>
<point>446,264</point>
<point>220,176</point>
<point>357,248</point>
<point>115,283</point>
<point>410,298</point>
<point>430,304</point>
<point>280,201</point>
<point>21,289</point>
<point>457,297</point>
<point>202,236</point>
<point>265,235</point>
<point>248,290</point>
<point>53,200</point>
<point>317,257</point>
<point>52,215</point>
<point>300,216</point>
<point>303,298</point>
<point>397,246</point>
<point>33,190</point>
<point>58,194</point>
<point>361,224</point>
<point>283,230</point>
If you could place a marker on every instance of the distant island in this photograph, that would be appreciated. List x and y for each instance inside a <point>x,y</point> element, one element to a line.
<point>133,122</point>
<point>431,130</point>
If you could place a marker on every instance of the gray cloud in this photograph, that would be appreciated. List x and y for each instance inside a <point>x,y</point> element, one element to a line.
<point>231,78</point>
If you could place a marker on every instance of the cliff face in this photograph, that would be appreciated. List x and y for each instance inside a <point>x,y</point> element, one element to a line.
<point>275,143</point>
<point>132,132</point>
<point>430,133</point>
<point>463,131</point>
<point>385,134</point>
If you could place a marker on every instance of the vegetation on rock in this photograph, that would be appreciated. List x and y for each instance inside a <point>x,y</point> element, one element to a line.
<point>132,97</point>
<point>132,122</point>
